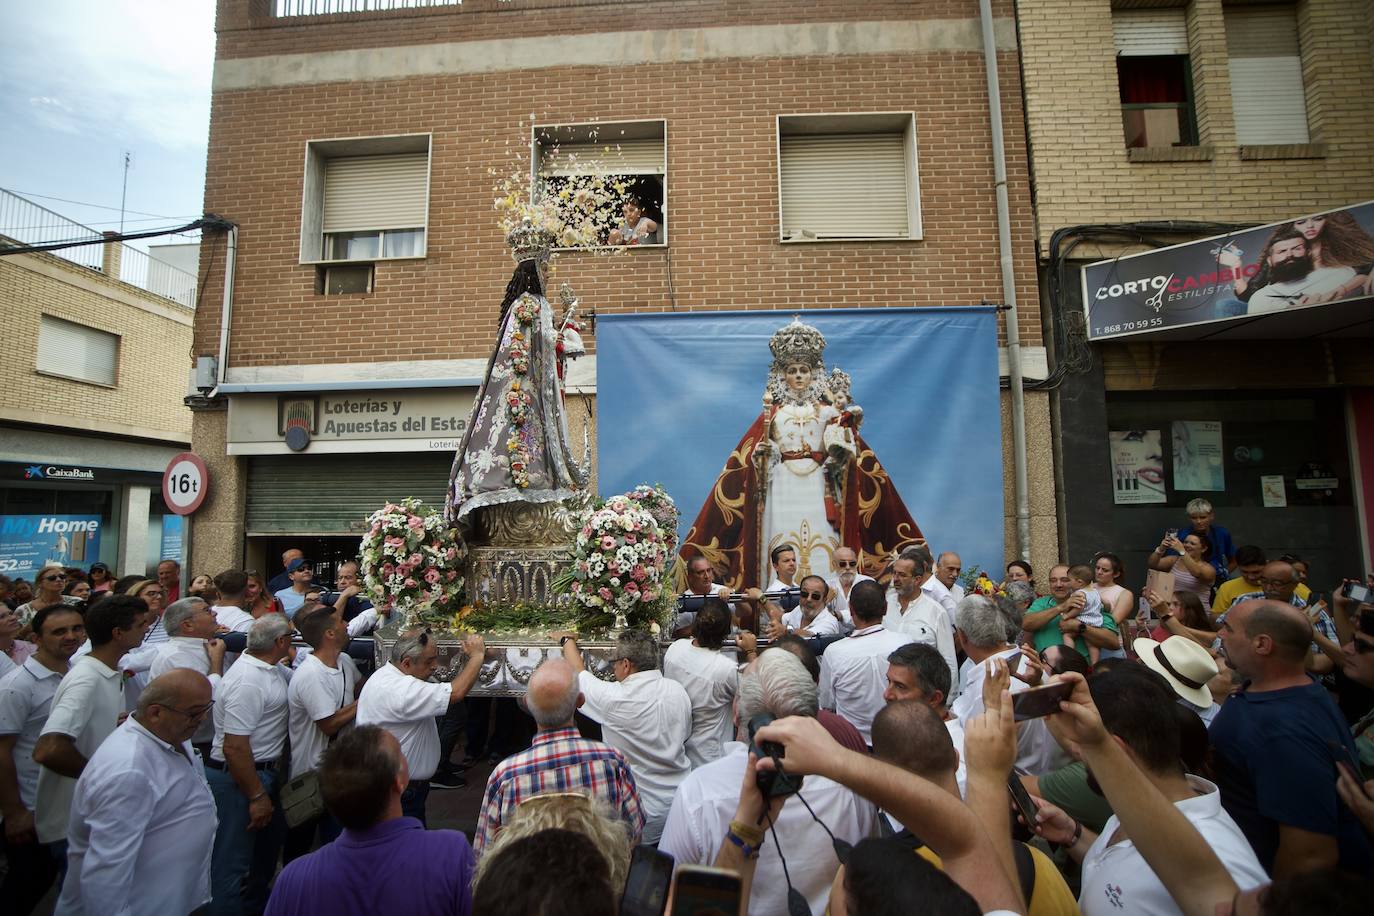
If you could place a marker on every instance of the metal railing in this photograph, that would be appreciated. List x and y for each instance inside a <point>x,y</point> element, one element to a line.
<point>26,222</point>
<point>284,8</point>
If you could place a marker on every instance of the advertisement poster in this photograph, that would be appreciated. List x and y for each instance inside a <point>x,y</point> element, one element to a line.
<point>1274,492</point>
<point>1137,466</point>
<point>173,532</point>
<point>27,542</point>
<point>1198,456</point>
<point>1295,264</point>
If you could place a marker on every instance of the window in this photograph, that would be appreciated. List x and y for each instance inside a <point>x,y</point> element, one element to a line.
<point>850,176</point>
<point>1154,75</point>
<point>344,279</point>
<point>365,199</point>
<point>625,159</point>
<point>76,351</point>
<point>1267,95</point>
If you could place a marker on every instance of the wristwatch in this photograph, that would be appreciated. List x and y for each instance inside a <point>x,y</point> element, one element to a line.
<point>563,640</point>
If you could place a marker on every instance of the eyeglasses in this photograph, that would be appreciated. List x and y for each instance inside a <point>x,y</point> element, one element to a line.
<point>196,713</point>
<point>814,596</point>
<point>1275,582</point>
<point>845,564</point>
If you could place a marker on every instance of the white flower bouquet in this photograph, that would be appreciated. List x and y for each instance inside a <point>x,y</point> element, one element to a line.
<point>621,558</point>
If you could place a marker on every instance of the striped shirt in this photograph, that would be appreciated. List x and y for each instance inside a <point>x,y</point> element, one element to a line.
<point>560,760</point>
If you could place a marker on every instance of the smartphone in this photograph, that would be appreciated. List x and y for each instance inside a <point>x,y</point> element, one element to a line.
<point>1357,592</point>
<point>1024,803</point>
<point>646,886</point>
<point>1346,761</point>
<point>772,783</point>
<point>1039,701</point>
<point>702,891</point>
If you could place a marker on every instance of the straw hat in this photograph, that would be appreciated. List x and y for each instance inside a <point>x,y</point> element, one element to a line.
<point>1183,663</point>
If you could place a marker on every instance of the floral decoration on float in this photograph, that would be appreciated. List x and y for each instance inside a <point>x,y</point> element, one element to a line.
<point>410,559</point>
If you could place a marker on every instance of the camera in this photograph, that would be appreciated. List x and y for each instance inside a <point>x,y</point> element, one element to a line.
<point>1357,592</point>
<point>772,783</point>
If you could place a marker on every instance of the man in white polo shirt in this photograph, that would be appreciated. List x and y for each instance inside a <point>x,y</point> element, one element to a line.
<point>322,702</point>
<point>848,576</point>
<point>233,588</point>
<point>191,626</point>
<point>854,669</point>
<point>401,699</point>
<point>810,617</point>
<point>913,612</point>
<point>644,715</point>
<point>85,709</point>
<point>250,733</point>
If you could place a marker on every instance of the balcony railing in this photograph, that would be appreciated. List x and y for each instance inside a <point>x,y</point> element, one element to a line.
<point>284,8</point>
<point>25,222</point>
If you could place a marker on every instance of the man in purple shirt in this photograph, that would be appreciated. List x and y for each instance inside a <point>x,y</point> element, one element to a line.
<point>383,862</point>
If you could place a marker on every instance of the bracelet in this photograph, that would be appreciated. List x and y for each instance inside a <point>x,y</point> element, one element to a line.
<point>750,849</point>
<point>563,640</point>
<point>1077,834</point>
<point>262,794</point>
<point>747,832</point>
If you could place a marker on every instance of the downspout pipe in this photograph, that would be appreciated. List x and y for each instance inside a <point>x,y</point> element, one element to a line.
<point>1021,481</point>
<point>226,308</point>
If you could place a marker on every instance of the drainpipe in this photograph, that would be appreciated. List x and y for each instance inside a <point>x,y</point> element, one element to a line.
<point>1021,483</point>
<point>226,309</point>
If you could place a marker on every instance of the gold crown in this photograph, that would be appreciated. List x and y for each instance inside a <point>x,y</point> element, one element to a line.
<point>797,343</point>
<point>528,242</point>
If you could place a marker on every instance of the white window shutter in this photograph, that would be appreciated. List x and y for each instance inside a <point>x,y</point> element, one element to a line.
<point>625,157</point>
<point>77,351</point>
<point>365,193</point>
<point>1267,96</point>
<point>841,186</point>
<point>1150,33</point>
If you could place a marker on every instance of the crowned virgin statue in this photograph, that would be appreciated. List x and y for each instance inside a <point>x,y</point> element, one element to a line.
<point>801,476</point>
<point>515,448</point>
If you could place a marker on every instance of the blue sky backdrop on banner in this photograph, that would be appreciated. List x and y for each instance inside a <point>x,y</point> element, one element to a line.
<point>676,391</point>
<point>27,542</point>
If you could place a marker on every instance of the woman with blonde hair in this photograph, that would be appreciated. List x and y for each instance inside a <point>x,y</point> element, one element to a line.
<point>259,600</point>
<point>570,811</point>
<point>49,583</point>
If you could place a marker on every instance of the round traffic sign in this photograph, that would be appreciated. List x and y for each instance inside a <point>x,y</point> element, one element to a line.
<point>185,483</point>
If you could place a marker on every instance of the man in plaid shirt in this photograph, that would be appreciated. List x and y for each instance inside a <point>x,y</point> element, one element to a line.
<point>1279,582</point>
<point>559,760</point>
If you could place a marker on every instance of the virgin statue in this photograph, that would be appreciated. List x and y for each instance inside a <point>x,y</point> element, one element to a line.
<point>801,476</point>
<point>515,447</point>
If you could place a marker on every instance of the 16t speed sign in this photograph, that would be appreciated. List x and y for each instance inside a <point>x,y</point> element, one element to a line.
<point>184,483</point>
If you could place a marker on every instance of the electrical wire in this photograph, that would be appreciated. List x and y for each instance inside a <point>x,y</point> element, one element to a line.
<point>209,221</point>
<point>82,203</point>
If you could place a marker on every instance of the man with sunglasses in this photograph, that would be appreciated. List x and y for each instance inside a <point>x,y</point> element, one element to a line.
<point>848,575</point>
<point>810,617</point>
<point>143,819</point>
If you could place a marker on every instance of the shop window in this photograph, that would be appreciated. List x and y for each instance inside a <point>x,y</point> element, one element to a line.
<point>76,351</point>
<point>365,199</point>
<point>1154,77</point>
<point>847,177</point>
<point>615,163</point>
<point>1267,94</point>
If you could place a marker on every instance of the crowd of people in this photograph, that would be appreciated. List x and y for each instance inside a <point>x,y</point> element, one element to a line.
<point>879,747</point>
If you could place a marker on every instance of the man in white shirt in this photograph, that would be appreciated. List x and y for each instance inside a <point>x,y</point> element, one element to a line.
<point>1293,279</point>
<point>847,562</point>
<point>918,672</point>
<point>233,589</point>
<point>250,734</point>
<point>400,698</point>
<point>710,678</point>
<point>25,697</point>
<point>322,701</point>
<point>982,634</point>
<point>810,617</point>
<point>700,583</point>
<point>1137,709</point>
<point>702,811</point>
<point>85,710</point>
<point>784,559</point>
<point>191,625</point>
<point>143,818</point>
<point>645,716</point>
<point>912,612</point>
<point>854,669</point>
<point>943,582</point>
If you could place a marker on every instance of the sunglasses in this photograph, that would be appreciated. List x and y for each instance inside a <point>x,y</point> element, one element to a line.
<point>59,577</point>
<point>814,596</point>
<point>844,564</point>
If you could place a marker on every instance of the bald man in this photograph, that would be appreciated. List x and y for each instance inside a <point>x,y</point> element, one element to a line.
<point>143,819</point>
<point>1277,741</point>
<point>846,576</point>
<point>558,760</point>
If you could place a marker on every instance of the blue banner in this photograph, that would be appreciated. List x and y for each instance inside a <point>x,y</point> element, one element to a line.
<point>676,392</point>
<point>173,534</point>
<point>27,542</point>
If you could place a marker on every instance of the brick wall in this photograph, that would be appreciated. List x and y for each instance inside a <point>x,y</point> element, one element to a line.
<point>1082,170</point>
<point>155,342</point>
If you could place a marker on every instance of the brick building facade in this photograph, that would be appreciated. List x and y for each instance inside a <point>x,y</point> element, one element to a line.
<point>469,81</point>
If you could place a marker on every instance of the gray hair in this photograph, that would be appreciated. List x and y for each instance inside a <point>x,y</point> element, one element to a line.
<point>548,710</point>
<point>1198,504</point>
<point>777,683</point>
<point>266,630</point>
<point>638,648</point>
<point>920,556</point>
<point>1020,591</point>
<point>408,646</point>
<point>981,622</point>
<point>180,611</point>
<point>1012,615</point>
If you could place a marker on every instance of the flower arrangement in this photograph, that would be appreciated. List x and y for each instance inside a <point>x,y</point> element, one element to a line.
<point>620,562</point>
<point>662,508</point>
<point>977,582</point>
<point>518,400</point>
<point>409,558</point>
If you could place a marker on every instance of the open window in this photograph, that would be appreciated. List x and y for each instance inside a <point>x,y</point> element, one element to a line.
<point>613,165</point>
<point>1155,78</point>
<point>848,177</point>
<point>366,199</point>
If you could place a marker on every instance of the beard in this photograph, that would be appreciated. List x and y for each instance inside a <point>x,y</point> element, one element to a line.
<point>1291,269</point>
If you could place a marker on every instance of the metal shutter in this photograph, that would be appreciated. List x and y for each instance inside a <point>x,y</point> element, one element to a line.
<point>1267,95</point>
<point>76,351</point>
<point>362,193</point>
<point>1150,33</point>
<point>334,494</point>
<point>844,186</point>
<point>626,157</point>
